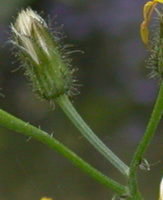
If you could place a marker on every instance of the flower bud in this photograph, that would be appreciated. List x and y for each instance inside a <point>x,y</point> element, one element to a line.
<point>50,74</point>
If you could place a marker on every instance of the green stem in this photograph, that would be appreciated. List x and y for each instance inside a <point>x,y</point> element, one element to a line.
<point>11,122</point>
<point>76,119</point>
<point>146,140</point>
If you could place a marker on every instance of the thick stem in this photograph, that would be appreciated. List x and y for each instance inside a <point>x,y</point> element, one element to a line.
<point>80,124</point>
<point>146,140</point>
<point>11,122</point>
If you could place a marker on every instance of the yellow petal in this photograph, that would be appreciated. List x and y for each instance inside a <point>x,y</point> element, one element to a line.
<point>159,1</point>
<point>46,198</point>
<point>147,12</point>
<point>144,32</point>
<point>148,9</point>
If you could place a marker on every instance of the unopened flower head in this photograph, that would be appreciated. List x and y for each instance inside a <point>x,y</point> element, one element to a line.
<point>39,50</point>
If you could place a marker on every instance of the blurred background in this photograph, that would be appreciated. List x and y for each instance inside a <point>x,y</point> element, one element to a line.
<point>116,98</point>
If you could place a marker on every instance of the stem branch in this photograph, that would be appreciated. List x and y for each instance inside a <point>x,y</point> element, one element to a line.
<point>146,139</point>
<point>80,124</point>
<point>11,122</point>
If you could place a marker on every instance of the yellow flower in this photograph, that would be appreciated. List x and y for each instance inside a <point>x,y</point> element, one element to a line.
<point>147,12</point>
<point>46,198</point>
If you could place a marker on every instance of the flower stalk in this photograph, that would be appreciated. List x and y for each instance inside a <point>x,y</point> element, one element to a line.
<point>85,130</point>
<point>146,140</point>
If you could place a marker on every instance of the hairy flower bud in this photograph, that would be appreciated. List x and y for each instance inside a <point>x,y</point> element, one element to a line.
<point>39,51</point>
